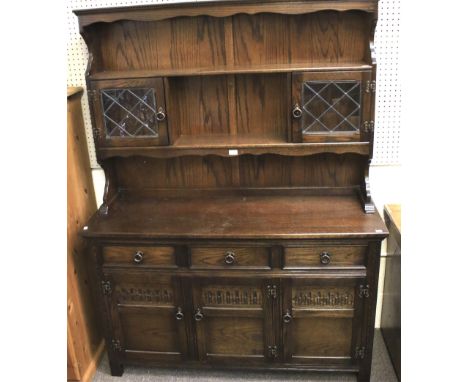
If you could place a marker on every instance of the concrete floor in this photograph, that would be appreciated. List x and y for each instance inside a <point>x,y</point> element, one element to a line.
<point>382,371</point>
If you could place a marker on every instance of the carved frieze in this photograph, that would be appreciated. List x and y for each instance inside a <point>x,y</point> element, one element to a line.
<point>323,298</point>
<point>130,293</point>
<point>222,295</point>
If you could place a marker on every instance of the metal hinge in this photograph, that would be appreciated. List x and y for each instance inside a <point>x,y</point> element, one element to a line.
<point>273,351</point>
<point>106,288</point>
<point>368,126</point>
<point>97,135</point>
<point>364,291</point>
<point>116,346</point>
<point>271,290</point>
<point>92,95</point>
<point>360,352</point>
<point>370,86</point>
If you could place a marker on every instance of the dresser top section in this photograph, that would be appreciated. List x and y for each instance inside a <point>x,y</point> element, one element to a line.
<point>218,9</point>
<point>236,217</point>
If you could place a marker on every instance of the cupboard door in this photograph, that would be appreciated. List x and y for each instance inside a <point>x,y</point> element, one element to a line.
<point>321,321</point>
<point>130,112</point>
<point>233,320</point>
<point>149,316</point>
<point>331,106</point>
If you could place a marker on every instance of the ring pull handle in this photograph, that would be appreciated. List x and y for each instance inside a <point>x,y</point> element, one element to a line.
<point>160,115</point>
<point>229,257</point>
<point>287,317</point>
<point>138,257</point>
<point>198,315</point>
<point>297,111</point>
<point>325,258</point>
<point>179,314</point>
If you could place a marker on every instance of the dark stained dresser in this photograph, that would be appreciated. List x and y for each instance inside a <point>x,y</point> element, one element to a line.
<point>237,228</point>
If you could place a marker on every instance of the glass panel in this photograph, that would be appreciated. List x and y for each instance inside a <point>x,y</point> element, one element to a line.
<point>331,106</point>
<point>129,113</point>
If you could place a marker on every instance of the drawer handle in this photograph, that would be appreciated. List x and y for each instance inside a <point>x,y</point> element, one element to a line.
<point>160,115</point>
<point>287,317</point>
<point>198,315</point>
<point>325,258</point>
<point>297,111</point>
<point>229,257</point>
<point>179,315</point>
<point>138,257</point>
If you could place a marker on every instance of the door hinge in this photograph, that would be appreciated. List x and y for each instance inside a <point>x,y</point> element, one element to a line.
<point>273,351</point>
<point>368,126</point>
<point>97,135</point>
<point>106,288</point>
<point>92,95</point>
<point>360,352</point>
<point>271,291</point>
<point>116,346</point>
<point>364,291</point>
<point>371,86</point>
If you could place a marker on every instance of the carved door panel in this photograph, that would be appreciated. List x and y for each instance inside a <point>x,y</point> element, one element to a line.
<point>233,320</point>
<point>129,112</point>
<point>148,315</point>
<point>322,319</point>
<point>332,106</point>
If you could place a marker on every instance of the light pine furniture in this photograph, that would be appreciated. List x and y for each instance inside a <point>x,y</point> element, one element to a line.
<point>237,228</point>
<point>391,303</point>
<point>85,343</point>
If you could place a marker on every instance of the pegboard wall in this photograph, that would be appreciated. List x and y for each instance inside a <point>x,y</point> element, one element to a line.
<point>388,103</point>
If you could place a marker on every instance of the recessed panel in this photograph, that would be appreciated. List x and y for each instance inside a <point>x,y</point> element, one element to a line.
<point>150,330</point>
<point>322,337</point>
<point>234,336</point>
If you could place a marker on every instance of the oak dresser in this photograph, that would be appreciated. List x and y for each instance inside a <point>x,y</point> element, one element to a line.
<point>237,228</point>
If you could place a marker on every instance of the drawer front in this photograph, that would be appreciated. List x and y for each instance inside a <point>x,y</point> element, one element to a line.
<point>324,256</point>
<point>225,258</point>
<point>157,257</point>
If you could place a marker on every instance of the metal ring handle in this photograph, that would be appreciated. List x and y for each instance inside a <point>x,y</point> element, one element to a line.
<point>198,315</point>
<point>229,257</point>
<point>179,314</point>
<point>138,257</point>
<point>325,258</point>
<point>160,115</point>
<point>287,317</point>
<point>297,111</point>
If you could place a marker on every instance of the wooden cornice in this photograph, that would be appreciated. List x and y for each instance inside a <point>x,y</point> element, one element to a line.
<point>220,9</point>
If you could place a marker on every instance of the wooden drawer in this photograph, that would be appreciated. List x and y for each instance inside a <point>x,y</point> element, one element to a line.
<point>324,256</point>
<point>157,257</point>
<point>225,258</point>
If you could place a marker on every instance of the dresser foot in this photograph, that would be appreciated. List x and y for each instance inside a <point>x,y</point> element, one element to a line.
<point>116,368</point>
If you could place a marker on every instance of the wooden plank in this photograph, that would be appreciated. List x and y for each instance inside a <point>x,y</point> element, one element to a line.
<point>222,9</point>
<point>237,216</point>
<point>225,69</point>
<point>202,145</point>
<point>83,337</point>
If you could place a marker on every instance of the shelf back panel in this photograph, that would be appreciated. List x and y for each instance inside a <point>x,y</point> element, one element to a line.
<point>247,171</point>
<point>239,40</point>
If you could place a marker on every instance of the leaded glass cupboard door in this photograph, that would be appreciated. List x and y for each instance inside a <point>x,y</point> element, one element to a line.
<point>332,106</point>
<point>130,112</point>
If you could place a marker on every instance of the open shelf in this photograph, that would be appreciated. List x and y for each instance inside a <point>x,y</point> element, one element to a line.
<point>227,141</point>
<point>236,215</point>
<point>220,70</point>
<point>235,145</point>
